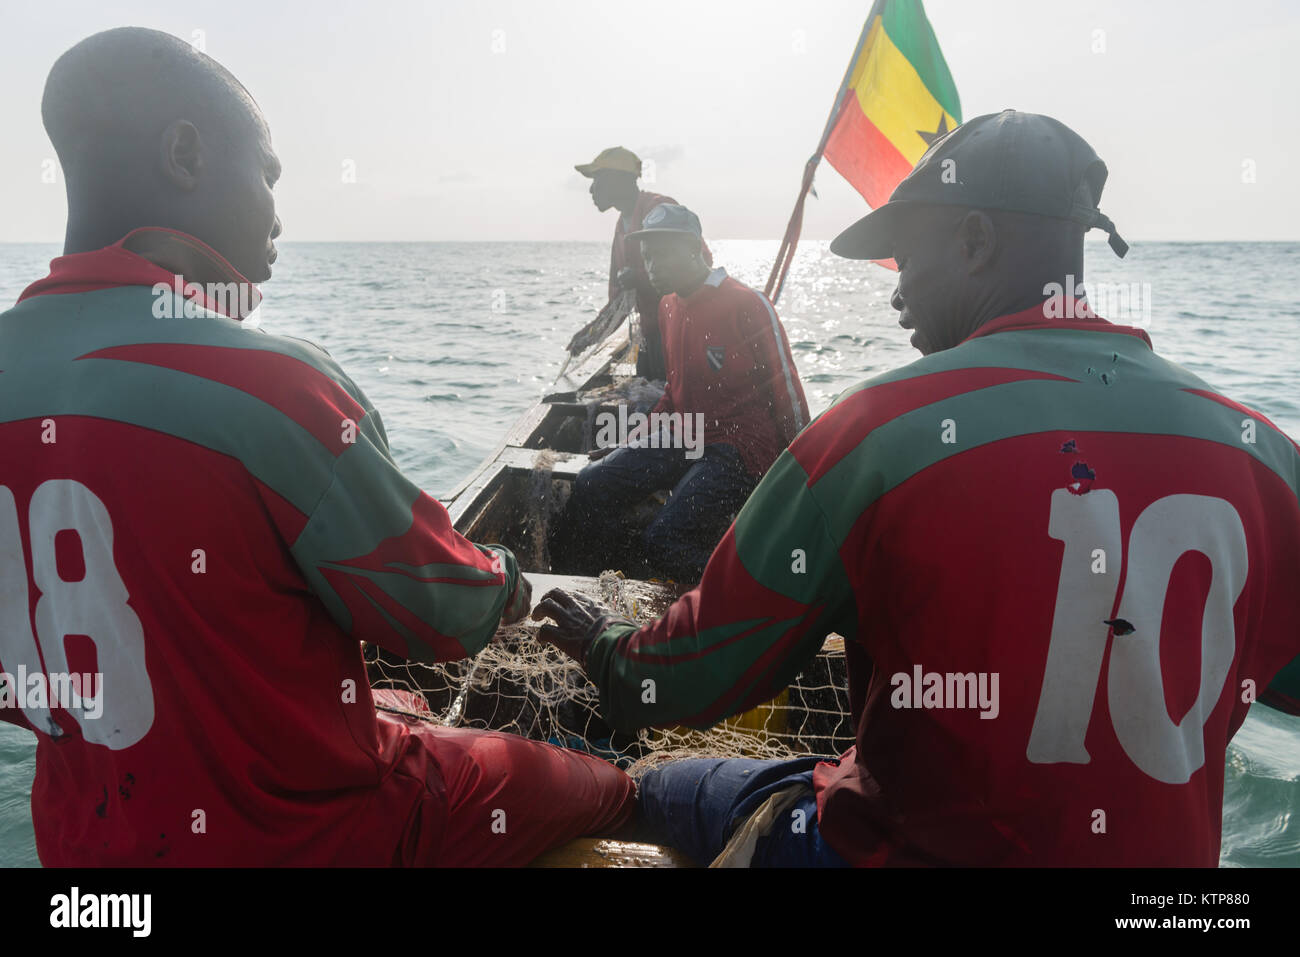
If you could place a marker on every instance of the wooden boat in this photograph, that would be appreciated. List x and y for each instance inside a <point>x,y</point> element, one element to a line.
<point>518,491</point>
<point>512,499</point>
<point>508,499</point>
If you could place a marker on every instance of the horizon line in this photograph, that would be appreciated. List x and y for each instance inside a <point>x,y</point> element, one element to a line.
<point>1100,241</point>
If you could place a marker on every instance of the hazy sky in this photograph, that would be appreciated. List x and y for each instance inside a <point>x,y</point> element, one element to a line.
<point>462,119</point>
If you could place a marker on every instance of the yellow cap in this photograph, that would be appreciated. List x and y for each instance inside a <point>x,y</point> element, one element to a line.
<point>615,158</point>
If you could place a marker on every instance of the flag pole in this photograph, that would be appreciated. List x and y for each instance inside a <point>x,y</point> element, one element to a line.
<point>785,256</point>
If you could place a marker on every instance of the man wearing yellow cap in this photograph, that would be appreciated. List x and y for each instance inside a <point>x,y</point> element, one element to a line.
<point>613,176</point>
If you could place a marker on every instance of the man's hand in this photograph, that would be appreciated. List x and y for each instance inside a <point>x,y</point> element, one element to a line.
<point>519,603</point>
<point>579,621</point>
<point>626,279</point>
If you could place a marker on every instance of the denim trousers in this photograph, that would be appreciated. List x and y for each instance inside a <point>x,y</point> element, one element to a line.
<point>706,492</point>
<point>695,804</point>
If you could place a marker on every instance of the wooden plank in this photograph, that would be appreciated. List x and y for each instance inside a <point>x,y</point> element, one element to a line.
<point>523,430</point>
<point>465,500</point>
<point>562,464</point>
<point>475,478</point>
<point>544,583</point>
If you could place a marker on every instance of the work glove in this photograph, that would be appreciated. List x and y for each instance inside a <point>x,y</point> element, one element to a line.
<point>579,621</point>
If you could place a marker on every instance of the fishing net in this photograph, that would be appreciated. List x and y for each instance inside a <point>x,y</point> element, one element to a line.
<point>591,336</point>
<point>521,685</point>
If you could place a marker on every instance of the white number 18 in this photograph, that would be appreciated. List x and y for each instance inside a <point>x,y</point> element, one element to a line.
<point>94,606</point>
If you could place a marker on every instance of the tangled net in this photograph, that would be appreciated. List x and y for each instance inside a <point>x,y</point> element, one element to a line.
<point>527,687</point>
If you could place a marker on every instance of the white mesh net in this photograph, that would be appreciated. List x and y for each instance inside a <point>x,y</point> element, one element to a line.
<point>521,685</point>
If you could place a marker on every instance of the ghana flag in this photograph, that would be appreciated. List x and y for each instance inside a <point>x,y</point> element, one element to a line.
<point>898,98</point>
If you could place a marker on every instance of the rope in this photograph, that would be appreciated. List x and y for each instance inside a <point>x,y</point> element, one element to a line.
<point>780,268</point>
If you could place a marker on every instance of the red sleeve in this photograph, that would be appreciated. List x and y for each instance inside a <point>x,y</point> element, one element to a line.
<point>382,555</point>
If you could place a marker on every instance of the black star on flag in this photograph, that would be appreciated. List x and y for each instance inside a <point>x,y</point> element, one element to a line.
<point>941,131</point>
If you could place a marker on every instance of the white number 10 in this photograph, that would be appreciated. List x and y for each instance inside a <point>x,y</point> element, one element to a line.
<point>1166,529</point>
<point>94,606</point>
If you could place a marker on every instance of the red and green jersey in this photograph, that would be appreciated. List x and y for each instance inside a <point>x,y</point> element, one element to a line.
<point>1064,568</point>
<point>209,519</point>
<point>728,359</point>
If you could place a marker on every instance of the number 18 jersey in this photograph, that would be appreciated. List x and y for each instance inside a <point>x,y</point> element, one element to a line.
<point>199,524</point>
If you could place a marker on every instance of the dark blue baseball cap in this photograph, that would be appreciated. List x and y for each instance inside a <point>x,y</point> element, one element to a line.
<point>669,218</point>
<point>1021,162</point>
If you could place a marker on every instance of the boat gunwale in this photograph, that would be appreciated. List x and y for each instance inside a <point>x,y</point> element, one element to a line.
<point>597,364</point>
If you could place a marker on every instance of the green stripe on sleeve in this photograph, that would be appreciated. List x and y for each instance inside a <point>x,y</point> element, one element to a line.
<point>1286,682</point>
<point>368,502</point>
<point>783,539</point>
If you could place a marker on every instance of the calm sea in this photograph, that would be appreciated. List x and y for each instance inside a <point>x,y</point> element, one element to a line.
<point>452,341</point>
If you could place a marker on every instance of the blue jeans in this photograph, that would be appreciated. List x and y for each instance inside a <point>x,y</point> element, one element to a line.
<point>694,805</point>
<point>706,492</point>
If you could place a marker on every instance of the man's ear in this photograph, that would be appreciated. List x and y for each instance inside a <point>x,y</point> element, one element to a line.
<point>979,241</point>
<point>181,154</point>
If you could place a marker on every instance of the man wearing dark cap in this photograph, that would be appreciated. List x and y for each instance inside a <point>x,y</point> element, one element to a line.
<point>214,524</point>
<point>614,174</point>
<point>733,401</point>
<point>1055,559</point>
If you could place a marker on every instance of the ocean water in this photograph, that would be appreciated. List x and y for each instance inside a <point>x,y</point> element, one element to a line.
<point>453,341</point>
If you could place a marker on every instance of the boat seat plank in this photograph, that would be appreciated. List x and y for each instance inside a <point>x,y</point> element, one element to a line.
<point>562,464</point>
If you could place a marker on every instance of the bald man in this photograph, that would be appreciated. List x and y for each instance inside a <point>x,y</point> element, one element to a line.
<point>214,524</point>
